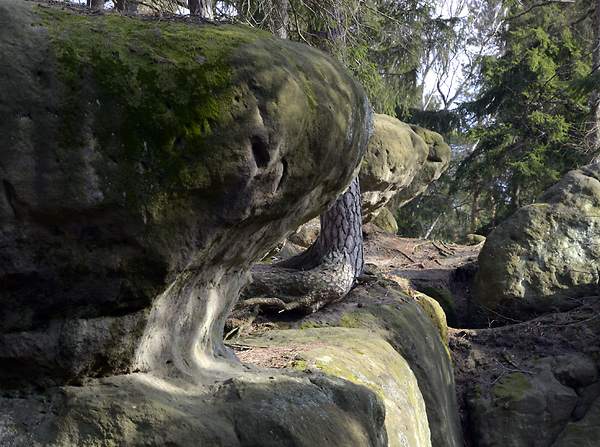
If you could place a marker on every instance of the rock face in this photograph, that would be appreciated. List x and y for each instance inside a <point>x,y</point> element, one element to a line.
<point>365,359</point>
<point>380,337</point>
<point>394,156</point>
<point>144,166</point>
<point>437,161</point>
<point>543,407</point>
<point>546,255</point>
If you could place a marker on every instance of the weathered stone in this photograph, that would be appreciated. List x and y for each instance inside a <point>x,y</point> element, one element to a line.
<point>254,407</point>
<point>438,159</point>
<point>385,220</point>
<point>583,433</point>
<point>474,239</point>
<point>364,359</point>
<point>394,156</point>
<point>307,233</point>
<point>522,409</point>
<point>575,370</point>
<point>144,166</point>
<point>545,256</point>
<point>409,330</point>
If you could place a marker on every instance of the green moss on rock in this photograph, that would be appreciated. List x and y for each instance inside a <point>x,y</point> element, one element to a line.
<point>365,359</point>
<point>436,314</point>
<point>444,297</point>
<point>510,387</point>
<point>159,90</point>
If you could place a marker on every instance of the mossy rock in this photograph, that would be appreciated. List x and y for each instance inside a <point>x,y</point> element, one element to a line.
<point>473,239</point>
<point>443,296</point>
<point>270,408</point>
<point>394,156</point>
<point>522,408</point>
<point>541,258</point>
<point>409,330</point>
<point>386,221</point>
<point>365,359</point>
<point>138,153</point>
<point>583,433</point>
<point>436,314</point>
<point>438,160</point>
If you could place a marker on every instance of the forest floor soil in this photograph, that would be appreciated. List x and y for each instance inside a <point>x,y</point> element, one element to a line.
<point>480,355</point>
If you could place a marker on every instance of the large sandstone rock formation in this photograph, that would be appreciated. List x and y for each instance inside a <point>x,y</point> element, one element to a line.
<point>545,256</point>
<point>394,155</point>
<point>400,162</point>
<point>144,167</point>
<point>437,161</point>
<point>383,338</point>
<point>553,404</point>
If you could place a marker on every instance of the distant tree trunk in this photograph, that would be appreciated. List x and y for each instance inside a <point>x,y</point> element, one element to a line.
<point>126,5</point>
<point>492,210</point>
<point>595,95</point>
<point>431,227</point>
<point>202,8</point>
<point>96,4</point>
<point>279,18</point>
<point>475,211</point>
<point>515,200</point>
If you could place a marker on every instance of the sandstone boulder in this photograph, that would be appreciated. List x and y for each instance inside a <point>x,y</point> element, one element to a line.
<point>364,359</point>
<point>437,161</point>
<point>532,407</point>
<point>545,256</point>
<point>394,156</point>
<point>144,167</point>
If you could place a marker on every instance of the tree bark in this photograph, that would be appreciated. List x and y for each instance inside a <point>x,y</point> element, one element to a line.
<point>475,211</point>
<point>595,95</point>
<point>279,18</point>
<point>202,8</point>
<point>325,272</point>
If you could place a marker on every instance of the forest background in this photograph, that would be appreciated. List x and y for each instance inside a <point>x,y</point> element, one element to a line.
<point>513,87</point>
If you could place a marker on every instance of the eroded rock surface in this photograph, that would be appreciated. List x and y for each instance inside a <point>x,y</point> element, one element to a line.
<point>437,161</point>
<point>545,256</point>
<point>144,166</point>
<point>535,407</point>
<point>394,156</point>
<point>365,359</point>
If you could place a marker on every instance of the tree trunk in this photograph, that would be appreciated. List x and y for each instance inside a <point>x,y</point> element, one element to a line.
<point>595,95</point>
<point>202,8</point>
<point>475,211</point>
<point>325,272</point>
<point>279,18</point>
<point>493,210</point>
<point>96,4</point>
<point>126,5</point>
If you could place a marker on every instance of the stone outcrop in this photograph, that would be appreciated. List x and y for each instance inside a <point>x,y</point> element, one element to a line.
<point>364,359</point>
<point>392,343</point>
<point>144,167</point>
<point>437,161</point>
<point>394,156</point>
<point>545,256</point>
<point>266,408</point>
<point>550,405</point>
<point>400,162</point>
